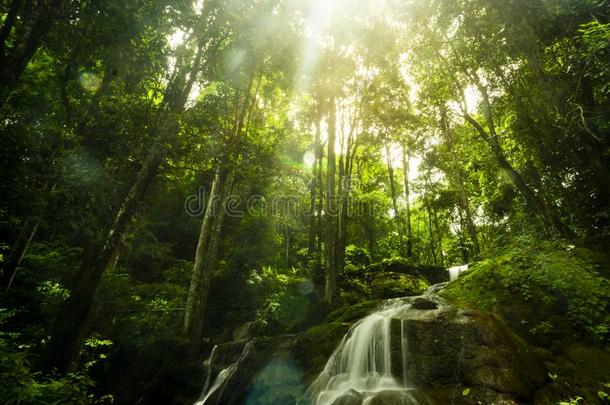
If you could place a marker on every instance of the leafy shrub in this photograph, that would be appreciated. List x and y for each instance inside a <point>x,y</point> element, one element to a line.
<point>357,256</point>
<point>284,297</point>
<point>22,385</point>
<point>543,284</point>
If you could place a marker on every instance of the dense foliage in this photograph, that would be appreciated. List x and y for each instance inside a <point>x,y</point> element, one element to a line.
<point>178,173</point>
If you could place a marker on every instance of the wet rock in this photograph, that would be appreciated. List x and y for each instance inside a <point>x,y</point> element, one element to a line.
<point>448,346</point>
<point>351,397</point>
<point>406,397</point>
<point>424,303</point>
<point>313,347</point>
<point>257,362</point>
<point>466,396</point>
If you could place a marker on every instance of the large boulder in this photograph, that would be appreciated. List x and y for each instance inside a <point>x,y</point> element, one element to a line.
<point>393,278</point>
<point>447,346</point>
<point>432,274</point>
<point>396,285</point>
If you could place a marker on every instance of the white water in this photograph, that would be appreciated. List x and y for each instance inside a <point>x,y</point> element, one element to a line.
<point>455,271</point>
<point>363,360</point>
<point>224,376</point>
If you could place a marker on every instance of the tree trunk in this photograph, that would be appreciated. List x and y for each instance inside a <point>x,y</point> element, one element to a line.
<point>399,229</point>
<point>331,210</point>
<point>460,185</point>
<point>29,34</point>
<point>320,206</point>
<point>409,233</point>
<point>346,184</point>
<point>69,325</point>
<point>205,260</point>
<point>26,234</point>
<point>537,205</point>
<point>311,243</point>
<point>430,223</point>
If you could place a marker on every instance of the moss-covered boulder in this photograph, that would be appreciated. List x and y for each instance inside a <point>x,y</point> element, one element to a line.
<point>388,279</point>
<point>313,347</point>
<point>557,298</point>
<point>396,285</point>
<point>549,293</point>
<point>432,274</point>
<point>447,345</point>
<point>353,313</point>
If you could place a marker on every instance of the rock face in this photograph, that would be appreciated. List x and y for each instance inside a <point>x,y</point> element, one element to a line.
<point>448,347</point>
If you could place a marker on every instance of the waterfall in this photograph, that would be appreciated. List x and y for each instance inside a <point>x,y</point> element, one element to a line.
<point>454,272</point>
<point>363,360</point>
<point>211,394</point>
<point>363,363</point>
<point>208,369</point>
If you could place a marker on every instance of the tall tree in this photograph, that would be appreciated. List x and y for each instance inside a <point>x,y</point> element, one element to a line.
<point>69,325</point>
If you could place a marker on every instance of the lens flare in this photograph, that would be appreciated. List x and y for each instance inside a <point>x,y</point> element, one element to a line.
<point>89,81</point>
<point>309,159</point>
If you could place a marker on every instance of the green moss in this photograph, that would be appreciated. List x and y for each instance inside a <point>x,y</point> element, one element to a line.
<point>545,291</point>
<point>354,290</point>
<point>314,346</point>
<point>353,313</point>
<point>394,285</point>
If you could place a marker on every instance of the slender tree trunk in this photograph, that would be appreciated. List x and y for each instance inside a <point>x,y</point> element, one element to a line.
<point>69,324</point>
<point>430,224</point>
<point>320,206</point>
<point>205,260</point>
<point>344,195</point>
<point>331,209</point>
<point>206,253</point>
<point>394,195</point>
<point>13,261</point>
<point>409,233</point>
<point>439,241</point>
<point>311,244</point>
<point>460,184</point>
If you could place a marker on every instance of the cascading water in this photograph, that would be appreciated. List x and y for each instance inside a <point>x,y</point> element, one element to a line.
<point>210,395</point>
<point>455,271</point>
<point>363,361</point>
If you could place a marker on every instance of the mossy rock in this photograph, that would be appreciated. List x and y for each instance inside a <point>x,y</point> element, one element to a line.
<point>395,285</point>
<point>314,346</point>
<point>353,313</point>
<point>547,293</point>
<point>432,274</point>
<point>355,290</point>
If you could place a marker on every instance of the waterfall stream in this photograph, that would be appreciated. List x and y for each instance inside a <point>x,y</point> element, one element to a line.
<point>363,361</point>
<point>210,395</point>
<point>455,271</point>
